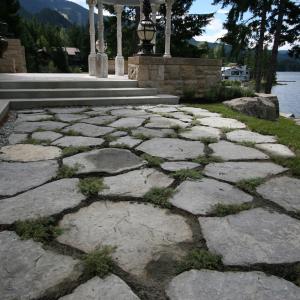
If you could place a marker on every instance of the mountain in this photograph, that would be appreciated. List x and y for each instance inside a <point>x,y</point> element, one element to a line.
<point>71,11</point>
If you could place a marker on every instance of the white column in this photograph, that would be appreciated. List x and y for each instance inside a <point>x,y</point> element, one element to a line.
<point>119,60</point>
<point>169,4</point>
<point>154,12</point>
<point>101,58</point>
<point>92,56</point>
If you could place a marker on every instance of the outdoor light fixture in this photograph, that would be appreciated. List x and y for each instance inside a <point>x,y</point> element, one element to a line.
<point>146,31</point>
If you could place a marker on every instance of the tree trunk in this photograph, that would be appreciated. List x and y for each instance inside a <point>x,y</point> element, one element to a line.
<point>276,43</point>
<point>260,47</point>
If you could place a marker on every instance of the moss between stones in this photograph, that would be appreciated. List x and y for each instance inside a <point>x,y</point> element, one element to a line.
<point>91,186</point>
<point>153,161</point>
<point>159,196</point>
<point>249,185</point>
<point>187,174</point>
<point>222,210</point>
<point>67,172</point>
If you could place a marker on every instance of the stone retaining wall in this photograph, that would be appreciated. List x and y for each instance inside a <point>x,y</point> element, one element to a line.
<point>176,75</point>
<point>13,60</point>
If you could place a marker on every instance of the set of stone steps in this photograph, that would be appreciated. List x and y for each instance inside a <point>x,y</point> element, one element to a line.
<point>66,92</point>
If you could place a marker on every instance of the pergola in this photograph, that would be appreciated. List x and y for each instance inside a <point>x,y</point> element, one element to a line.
<point>98,62</point>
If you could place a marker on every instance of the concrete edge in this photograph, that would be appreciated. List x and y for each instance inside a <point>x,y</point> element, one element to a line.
<point>4,109</point>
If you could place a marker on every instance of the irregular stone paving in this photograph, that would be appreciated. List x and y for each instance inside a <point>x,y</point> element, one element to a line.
<point>78,141</point>
<point>111,161</point>
<point>200,197</point>
<point>44,201</point>
<point>110,288</point>
<point>201,132</point>
<point>148,239</point>
<point>172,149</point>
<point>276,150</point>
<point>140,232</point>
<point>285,191</point>
<point>237,171</point>
<point>230,151</point>
<point>213,285</point>
<point>26,152</point>
<point>16,177</point>
<point>27,271</point>
<point>252,237</point>
<point>135,183</point>
<point>241,136</point>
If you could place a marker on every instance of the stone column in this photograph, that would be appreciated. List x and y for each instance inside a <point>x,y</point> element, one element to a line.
<point>154,11</point>
<point>101,57</point>
<point>119,60</point>
<point>92,56</point>
<point>169,4</point>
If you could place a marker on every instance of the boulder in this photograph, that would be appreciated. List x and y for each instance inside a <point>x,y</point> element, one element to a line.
<point>262,106</point>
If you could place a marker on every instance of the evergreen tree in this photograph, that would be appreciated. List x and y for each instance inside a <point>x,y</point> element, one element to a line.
<point>9,14</point>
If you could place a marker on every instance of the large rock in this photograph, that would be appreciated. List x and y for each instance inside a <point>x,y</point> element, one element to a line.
<point>253,237</point>
<point>219,122</point>
<point>201,132</point>
<point>19,177</point>
<point>213,285</point>
<point>89,130</point>
<point>237,171</point>
<point>231,151</point>
<point>241,136</point>
<point>110,288</point>
<point>27,271</point>
<point>135,183</point>
<point>285,191</point>
<point>276,150</point>
<point>27,152</point>
<point>44,201</point>
<point>78,141</point>
<point>108,160</point>
<point>199,197</point>
<point>140,232</point>
<point>263,106</point>
<point>172,149</point>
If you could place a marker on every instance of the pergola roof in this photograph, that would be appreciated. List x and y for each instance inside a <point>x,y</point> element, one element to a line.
<point>130,2</point>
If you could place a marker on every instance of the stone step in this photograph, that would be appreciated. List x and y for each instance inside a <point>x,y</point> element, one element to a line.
<point>75,93</point>
<point>67,84</point>
<point>96,101</point>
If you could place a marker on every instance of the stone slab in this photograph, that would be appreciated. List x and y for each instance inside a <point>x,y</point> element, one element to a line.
<point>163,109</point>
<point>152,133</point>
<point>285,191</point>
<point>199,112</point>
<point>100,120</point>
<point>28,127</point>
<point>237,171</point>
<point>108,160</point>
<point>28,152</point>
<point>27,271</point>
<point>129,122</point>
<point>78,141</point>
<point>200,132</point>
<point>173,166</point>
<point>252,237</point>
<point>89,130</point>
<point>119,133</point>
<point>109,288</point>
<point>125,141</point>
<point>44,201</point>
<point>181,116</point>
<point>249,136</point>
<point>127,112</point>
<point>33,117</point>
<point>140,232</point>
<point>135,183</point>
<point>219,122</point>
<point>199,197</point>
<point>17,138</point>
<point>162,122</point>
<point>18,177</point>
<point>68,110</point>
<point>70,117</point>
<point>213,285</point>
<point>46,135</point>
<point>276,150</point>
<point>230,151</point>
<point>172,149</point>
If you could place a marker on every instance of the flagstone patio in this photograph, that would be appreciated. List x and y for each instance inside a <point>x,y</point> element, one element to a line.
<point>136,149</point>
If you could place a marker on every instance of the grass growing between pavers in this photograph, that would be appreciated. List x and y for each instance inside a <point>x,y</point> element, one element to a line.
<point>185,174</point>
<point>222,210</point>
<point>159,196</point>
<point>33,141</point>
<point>68,151</point>
<point>99,262</point>
<point>200,259</point>
<point>204,160</point>
<point>153,161</point>
<point>249,185</point>
<point>287,132</point>
<point>91,186</point>
<point>141,136</point>
<point>208,140</point>
<point>67,172</point>
<point>40,230</point>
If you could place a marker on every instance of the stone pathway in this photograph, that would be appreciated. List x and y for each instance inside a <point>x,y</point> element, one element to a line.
<point>197,157</point>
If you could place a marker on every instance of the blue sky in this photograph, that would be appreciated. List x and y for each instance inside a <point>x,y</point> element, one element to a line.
<point>213,31</point>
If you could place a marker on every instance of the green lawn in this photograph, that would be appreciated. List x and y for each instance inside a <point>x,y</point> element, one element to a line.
<point>287,132</point>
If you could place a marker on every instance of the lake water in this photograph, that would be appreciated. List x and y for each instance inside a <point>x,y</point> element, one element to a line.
<point>289,93</point>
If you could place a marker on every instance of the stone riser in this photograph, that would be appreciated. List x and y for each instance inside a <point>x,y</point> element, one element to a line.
<point>75,93</point>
